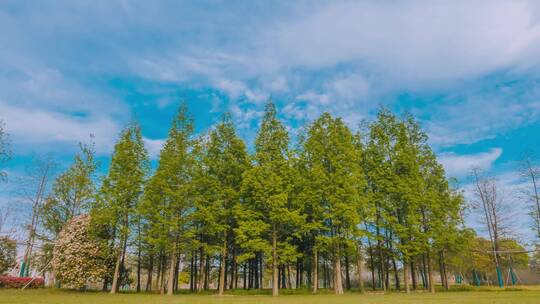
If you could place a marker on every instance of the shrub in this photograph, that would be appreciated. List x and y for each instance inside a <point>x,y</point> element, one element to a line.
<point>16,282</point>
<point>78,258</point>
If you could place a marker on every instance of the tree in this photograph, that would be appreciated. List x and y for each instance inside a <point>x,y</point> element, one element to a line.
<point>8,254</point>
<point>78,258</point>
<point>530,171</point>
<point>5,218</point>
<point>73,192</point>
<point>34,188</point>
<point>168,200</point>
<point>490,201</point>
<point>120,193</point>
<point>5,153</point>
<point>406,196</point>
<point>267,216</point>
<point>336,181</point>
<point>379,171</point>
<point>219,181</point>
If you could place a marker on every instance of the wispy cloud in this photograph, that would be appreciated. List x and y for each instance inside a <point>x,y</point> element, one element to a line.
<point>41,130</point>
<point>460,165</point>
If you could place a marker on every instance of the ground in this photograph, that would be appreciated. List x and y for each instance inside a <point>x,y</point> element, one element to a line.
<point>47,296</point>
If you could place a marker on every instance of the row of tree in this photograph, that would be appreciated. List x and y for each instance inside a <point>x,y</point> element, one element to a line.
<point>213,215</point>
<point>334,198</point>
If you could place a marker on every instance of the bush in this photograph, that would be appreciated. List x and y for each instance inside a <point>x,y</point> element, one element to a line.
<point>78,258</point>
<point>16,282</point>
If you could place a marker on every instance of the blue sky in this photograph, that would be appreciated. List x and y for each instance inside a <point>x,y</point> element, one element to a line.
<point>469,71</point>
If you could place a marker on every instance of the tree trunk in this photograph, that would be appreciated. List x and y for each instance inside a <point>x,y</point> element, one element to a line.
<point>244,276</point>
<point>406,277</point>
<point>233,267</point>
<point>261,270</point>
<point>176,272</point>
<point>200,285</point>
<point>297,274</point>
<point>170,280</point>
<point>396,274</point>
<point>250,273</point>
<point>289,281</point>
<point>443,265</point>
<point>150,272</point>
<point>413,276</point>
<point>338,285</point>
<point>315,271</point>
<point>158,275</point>
<point>347,276</point>
<point>431,282</point>
<point>223,266</point>
<point>103,288</point>
<point>372,263</point>
<point>163,270</point>
<point>359,262</point>
<point>275,289</point>
<point>387,272</point>
<point>139,269</point>
<point>116,276</point>
<point>207,273</point>
<point>379,252</point>
<point>191,272</point>
<point>424,272</point>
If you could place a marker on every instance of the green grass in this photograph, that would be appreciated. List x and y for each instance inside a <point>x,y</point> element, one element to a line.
<point>51,296</point>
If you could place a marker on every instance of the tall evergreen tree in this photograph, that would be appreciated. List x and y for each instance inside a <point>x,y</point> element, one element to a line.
<point>120,193</point>
<point>378,166</point>
<point>225,162</point>
<point>168,197</point>
<point>267,218</point>
<point>335,175</point>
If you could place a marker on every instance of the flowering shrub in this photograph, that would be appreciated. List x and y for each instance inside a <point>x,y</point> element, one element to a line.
<point>78,258</point>
<point>16,282</point>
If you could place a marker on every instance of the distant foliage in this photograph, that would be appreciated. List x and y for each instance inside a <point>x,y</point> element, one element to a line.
<point>8,254</point>
<point>78,258</point>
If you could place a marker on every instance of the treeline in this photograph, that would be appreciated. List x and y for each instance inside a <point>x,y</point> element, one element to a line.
<point>324,212</point>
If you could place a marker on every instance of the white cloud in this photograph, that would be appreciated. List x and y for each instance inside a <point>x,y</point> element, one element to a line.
<point>34,128</point>
<point>153,146</point>
<point>345,57</point>
<point>480,116</point>
<point>460,165</point>
<point>415,41</point>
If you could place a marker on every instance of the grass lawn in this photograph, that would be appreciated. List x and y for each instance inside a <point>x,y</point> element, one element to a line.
<point>50,296</point>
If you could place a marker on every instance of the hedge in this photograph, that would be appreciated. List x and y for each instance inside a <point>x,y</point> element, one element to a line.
<point>17,282</point>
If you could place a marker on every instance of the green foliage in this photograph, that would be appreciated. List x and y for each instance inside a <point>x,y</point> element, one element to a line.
<point>331,195</point>
<point>73,192</point>
<point>268,219</point>
<point>333,182</point>
<point>221,160</point>
<point>122,187</point>
<point>168,199</point>
<point>8,254</point>
<point>475,253</point>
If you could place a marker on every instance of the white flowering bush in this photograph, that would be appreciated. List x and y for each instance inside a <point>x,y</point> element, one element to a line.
<point>78,258</point>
